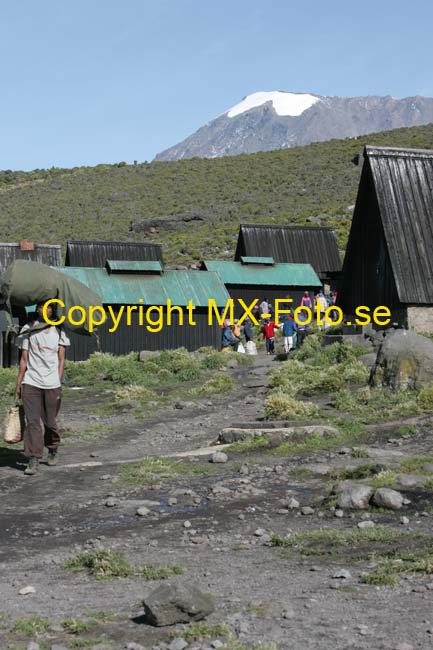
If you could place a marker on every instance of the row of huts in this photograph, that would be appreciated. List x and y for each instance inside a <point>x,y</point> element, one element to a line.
<point>388,261</point>
<point>134,274</point>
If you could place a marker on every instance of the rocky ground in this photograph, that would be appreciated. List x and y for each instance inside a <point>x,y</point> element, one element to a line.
<point>241,530</point>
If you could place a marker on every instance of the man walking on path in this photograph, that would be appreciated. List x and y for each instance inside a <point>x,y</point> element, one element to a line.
<point>39,384</point>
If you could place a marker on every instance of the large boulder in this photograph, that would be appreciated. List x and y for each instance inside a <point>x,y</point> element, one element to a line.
<point>353,496</point>
<point>387,498</point>
<point>177,603</point>
<point>404,360</point>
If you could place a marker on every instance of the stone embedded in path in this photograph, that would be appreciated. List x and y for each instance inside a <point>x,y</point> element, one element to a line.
<point>178,644</point>
<point>142,511</point>
<point>307,510</point>
<point>111,502</point>
<point>25,591</point>
<point>173,603</point>
<point>291,503</point>
<point>219,457</point>
<point>366,524</point>
<point>356,496</point>
<point>387,498</point>
<point>343,574</point>
<point>410,480</point>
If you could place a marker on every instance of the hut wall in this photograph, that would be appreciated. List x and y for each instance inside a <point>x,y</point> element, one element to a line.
<point>420,318</point>
<point>368,278</point>
<point>135,337</point>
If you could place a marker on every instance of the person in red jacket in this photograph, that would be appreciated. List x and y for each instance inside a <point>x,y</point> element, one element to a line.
<point>269,328</point>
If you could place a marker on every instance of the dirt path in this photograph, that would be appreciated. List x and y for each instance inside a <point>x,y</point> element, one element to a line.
<point>267,597</point>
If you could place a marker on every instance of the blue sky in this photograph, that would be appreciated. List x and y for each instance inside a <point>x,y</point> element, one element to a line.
<point>92,82</point>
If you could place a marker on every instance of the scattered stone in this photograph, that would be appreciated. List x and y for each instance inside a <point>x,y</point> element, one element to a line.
<point>260,532</point>
<point>318,469</point>
<point>105,477</point>
<point>111,502</point>
<point>362,629</point>
<point>355,496</point>
<point>25,591</point>
<point>217,644</point>
<point>134,646</point>
<point>232,363</point>
<point>344,450</point>
<point>404,521</point>
<point>307,510</point>
<point>220,490</point>
<point>33,646</point>
<point>410,480</point>
<point>293,503</point>
<point>339,514</point>
<point>404,646</point>
<point>142,511</point>
<point>419,589</point>
<point>406,502</point>
<point>388,498</point>
<point>366,524</point>
<point>278,469</point>
<point>244,469</point>
<point>177,603</point>
<point>187,524</point>
<point>289,613</point>
<point>282,511</point>
<point>219,457</point>
<point>178,644</point>
<point>342,574</point>
<point>172,501</point>
<point>56,646</point>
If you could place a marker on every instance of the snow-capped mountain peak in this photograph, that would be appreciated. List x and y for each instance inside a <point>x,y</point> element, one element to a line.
<point>264,121</point>
<point>291,104</point>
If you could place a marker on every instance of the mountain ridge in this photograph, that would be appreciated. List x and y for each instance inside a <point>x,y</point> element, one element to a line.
<point>268,121</point>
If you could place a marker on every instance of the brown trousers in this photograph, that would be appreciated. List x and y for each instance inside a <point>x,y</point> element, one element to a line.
<point>41,406</point>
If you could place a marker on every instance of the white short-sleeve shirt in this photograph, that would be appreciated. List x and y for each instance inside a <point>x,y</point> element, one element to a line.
<point>43,355</point>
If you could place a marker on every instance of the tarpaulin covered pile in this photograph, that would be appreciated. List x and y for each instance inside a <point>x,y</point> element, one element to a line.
<point>27,283</point>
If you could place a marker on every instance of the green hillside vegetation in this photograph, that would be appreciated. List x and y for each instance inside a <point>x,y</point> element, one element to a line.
<point>286,186</point>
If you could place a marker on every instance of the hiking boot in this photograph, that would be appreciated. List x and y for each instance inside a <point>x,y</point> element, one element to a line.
<point>32,467</point>
<point>53,457</point>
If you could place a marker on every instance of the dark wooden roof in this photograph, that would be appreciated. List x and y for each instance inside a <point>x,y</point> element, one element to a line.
<point>313,245</point>
<point>401,182</point>
<point>95,253</point>
<point>42,253</point>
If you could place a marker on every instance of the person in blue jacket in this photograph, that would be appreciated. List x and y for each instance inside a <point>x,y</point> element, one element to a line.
<point>289,329</point>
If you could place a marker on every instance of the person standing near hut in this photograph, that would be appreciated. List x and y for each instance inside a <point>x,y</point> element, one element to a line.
<point>301,328</point>
<point>306,300</point>
<point>39,384</point>
<point>289,329</point>
<point>269,328</point>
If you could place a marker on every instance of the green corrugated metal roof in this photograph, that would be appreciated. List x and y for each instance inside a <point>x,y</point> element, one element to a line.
<point>246,259</point>
<point>126,289</point>
<point>282,275</point>
<point>128,266</point>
